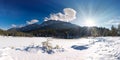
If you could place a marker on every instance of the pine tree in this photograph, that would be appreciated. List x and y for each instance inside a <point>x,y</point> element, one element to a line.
<point>113,31</point>
<point>119,29</point>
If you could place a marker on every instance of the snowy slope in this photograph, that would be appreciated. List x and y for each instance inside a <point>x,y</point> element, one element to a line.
<point>99,48</point>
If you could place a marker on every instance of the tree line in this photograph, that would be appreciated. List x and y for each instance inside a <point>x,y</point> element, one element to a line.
<point>14,33</point>
<point>67,33</point>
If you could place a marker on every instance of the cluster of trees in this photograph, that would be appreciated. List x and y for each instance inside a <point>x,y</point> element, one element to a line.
<point>14,33</point>
<point>100,31</point>
<point>59,33</point>
<point>67,33</point>
<point>79,32</point>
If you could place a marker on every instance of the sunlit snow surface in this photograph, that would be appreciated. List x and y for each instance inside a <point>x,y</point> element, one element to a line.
<point>92,48</point>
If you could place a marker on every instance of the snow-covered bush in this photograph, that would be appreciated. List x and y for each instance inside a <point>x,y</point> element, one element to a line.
<point>45,47</point>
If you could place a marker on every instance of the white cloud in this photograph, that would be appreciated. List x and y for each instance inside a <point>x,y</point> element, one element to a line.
<point>114,21</point>
<point>32,21</point>
<point>68,15</point>
<point>28,22</point>
<point>13,25</point>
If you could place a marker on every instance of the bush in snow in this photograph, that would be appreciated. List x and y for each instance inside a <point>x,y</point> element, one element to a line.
<point>46,47</point>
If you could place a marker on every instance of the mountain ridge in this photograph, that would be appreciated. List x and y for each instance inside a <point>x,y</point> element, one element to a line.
<point>52,24</point>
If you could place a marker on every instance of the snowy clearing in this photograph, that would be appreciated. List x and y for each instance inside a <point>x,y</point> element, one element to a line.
<point>30,48</point>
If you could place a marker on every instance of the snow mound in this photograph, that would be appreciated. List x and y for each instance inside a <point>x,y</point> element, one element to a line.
<point>4,54</point>
<point>105,49</point>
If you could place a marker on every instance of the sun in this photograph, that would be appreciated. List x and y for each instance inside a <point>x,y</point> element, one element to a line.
<point>90,22</point>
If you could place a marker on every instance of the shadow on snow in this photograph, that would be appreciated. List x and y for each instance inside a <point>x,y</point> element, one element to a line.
<point>79,47</point>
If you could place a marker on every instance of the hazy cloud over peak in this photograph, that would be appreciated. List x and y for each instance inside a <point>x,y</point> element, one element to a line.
<point>32,21</point>
<point>13,25</point>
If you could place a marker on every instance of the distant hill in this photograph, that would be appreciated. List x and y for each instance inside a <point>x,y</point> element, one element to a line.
<point>47,27</point>
<point>57,29</point>
<point>25,28</point>
<point>51,24</point>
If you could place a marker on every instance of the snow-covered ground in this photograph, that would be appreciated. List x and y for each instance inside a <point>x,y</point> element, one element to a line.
<point>30,48</point>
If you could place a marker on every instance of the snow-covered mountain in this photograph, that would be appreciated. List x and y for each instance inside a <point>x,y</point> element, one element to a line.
<point>25,28</point>
<point>51,24</point>
<point>51,28</point>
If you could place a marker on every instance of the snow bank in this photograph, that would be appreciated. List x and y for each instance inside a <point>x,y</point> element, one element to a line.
<point>31,48</point>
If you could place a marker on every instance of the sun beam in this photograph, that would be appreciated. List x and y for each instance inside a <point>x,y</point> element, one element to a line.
<point>90,22</point>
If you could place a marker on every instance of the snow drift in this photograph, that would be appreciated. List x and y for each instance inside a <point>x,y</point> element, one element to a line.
<point>31,48</point>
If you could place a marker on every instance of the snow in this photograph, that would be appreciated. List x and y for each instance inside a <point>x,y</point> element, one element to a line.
<point>31,48</point>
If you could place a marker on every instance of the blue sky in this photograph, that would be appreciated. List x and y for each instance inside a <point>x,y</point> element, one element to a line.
<point>19,12</point>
